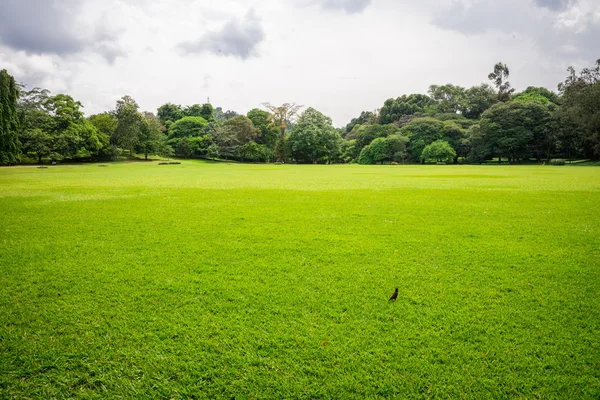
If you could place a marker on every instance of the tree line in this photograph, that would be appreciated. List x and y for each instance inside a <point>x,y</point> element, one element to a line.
<point>449,124</point>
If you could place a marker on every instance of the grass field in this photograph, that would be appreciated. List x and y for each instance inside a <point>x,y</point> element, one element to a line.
<point>259,281</point>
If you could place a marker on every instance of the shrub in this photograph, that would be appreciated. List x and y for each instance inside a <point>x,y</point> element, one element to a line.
<point>42,166</point>
<point>558,161</point>
<point>440,163</point>
<point>163,163</point>
<point>174,163</point>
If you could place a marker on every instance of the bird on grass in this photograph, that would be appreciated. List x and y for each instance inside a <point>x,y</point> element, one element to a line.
<point>394,295</point>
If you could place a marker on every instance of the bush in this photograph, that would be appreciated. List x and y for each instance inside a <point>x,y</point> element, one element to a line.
<point>174,163</point>
<point>558,161</point>
<point>440,163</point>
<point>42,166</point>
<point>163,163</point>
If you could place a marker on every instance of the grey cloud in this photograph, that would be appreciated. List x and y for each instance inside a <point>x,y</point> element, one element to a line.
<point>50,27</point>
<point>350,6</point>
<point>555,5</point>
<point>238,38</point>
<point>525,20</point>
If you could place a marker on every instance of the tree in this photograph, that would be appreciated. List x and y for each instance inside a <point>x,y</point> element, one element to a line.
<point>205,111</point>
<point>185,147</point>
<point>281,117</point>
<point>267,131</point>
<point>366,117</point>
<point>450,99</point>
<point>314,138</point>
<point>394,110</point>
<point>150,135</point>
<point>579,114</point>
<point>439,151</point>
<point>9,123</point>
<point>371,132</point>
<point>422,132</point>
<point>37,142</point>
<point>73,136</point>
<point>129,124</point>
<point>105,124</point>
<point>188,127</point>
<point>349,151</point>
<point>169,113</point>
<point>500,78</point>
<point>250,152</point>
<point>234,132</point>
<point>377,151</point>
<point>478,99</point>
<point>508,129</point>
<point>397,148</point>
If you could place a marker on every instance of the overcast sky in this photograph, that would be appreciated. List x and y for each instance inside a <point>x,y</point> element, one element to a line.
<point>339,56</point>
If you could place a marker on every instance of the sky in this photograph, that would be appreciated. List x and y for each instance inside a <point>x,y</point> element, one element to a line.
<point>338,56</point>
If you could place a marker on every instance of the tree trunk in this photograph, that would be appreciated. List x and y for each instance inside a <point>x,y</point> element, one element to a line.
<point>39,158</point>
<point>146,156</point>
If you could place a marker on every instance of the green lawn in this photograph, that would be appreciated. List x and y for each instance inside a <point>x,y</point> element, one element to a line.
<point>259,281</point>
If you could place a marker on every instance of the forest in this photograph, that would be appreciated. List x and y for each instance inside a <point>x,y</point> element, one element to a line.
<point>491,122</point>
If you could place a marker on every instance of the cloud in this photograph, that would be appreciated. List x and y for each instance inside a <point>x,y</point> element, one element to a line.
<point>562,28</point>
<point>348,6</point>
<point>237,38</point>
<point>52,27</point>
<point>555,5</point>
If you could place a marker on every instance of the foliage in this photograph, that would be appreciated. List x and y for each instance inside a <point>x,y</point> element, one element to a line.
<point>366,117</point>
<point>150,135</point>
<point>422,132</point>
<point>395,109</point>
<point>188,127</point>
<point>449,98</point>
<point>267,131</point>
<point>314,138</point>
<point>500,77</point>
<point>196,110</point>
<point>234,132</point>
<point>10,147</point>
<point>439,151</point>
<point>508,129</point>
<point>478,99</point>
<point>371,132</point>
<point>129,124</point>
<point>169,113</point>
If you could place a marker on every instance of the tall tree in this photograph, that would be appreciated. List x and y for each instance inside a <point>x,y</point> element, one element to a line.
<point>394,110</point>
<point>267,131</point>
<point>422,132</point>
<point>478,99</point>
<point>9,123</point>
<point>500,77</point>
<point>281,117</point>
<point>580,111</point>
<point>150,135</point>
<point>508,129</point>
<point>235,132</point>
<point>129,124</point>
<point>450,99</point>
<point>169,113</point>
<point>314,138</point>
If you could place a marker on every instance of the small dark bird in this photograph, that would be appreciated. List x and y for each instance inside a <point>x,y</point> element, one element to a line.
<point>394,295</point>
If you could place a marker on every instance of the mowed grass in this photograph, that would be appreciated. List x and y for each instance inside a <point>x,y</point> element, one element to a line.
<point>269,282</point>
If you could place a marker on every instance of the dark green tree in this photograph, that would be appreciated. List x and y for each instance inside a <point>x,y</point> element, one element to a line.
<point>314,138</point>
<point>129,124</point>
<point>10,148</point>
